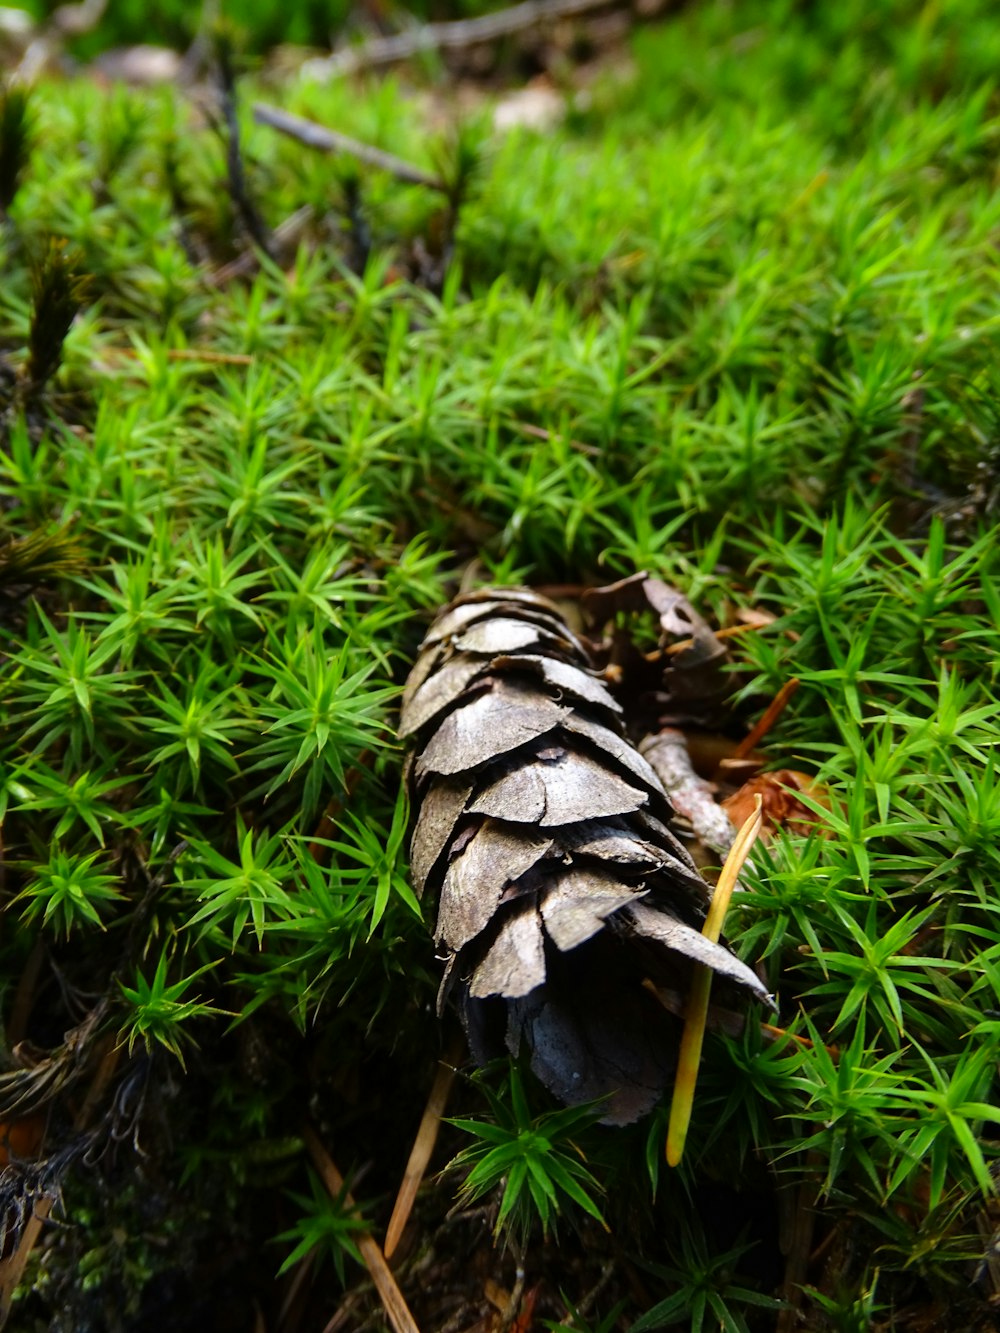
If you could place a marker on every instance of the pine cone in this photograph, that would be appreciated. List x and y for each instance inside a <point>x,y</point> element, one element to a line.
<point>544,834</point>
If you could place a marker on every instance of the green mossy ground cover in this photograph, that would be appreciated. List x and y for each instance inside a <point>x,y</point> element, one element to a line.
<point>736,323</point>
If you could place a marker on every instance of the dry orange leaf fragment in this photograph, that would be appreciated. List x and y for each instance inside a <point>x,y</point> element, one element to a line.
<point>782,807</point>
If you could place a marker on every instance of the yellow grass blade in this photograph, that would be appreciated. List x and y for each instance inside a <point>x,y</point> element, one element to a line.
<point>701,986</point>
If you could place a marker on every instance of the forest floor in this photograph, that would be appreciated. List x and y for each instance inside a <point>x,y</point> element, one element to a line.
<point>723,307</point>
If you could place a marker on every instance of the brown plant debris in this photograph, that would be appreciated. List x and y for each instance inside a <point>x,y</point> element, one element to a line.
<point>311,134</point>
<point>60,292</point>
<point>782,806</point>
<point>544,835</point>
<point>393,1302</point>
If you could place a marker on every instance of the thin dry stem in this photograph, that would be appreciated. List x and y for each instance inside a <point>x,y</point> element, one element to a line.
<point>460,34</point>
<point>771,714</point>
<point>395,1306</point>
<point>326,140</point>
<point>420,1154</point>
<point>701,985</point>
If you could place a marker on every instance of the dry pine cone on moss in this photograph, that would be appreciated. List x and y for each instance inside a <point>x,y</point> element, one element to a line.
<point>543,833</point>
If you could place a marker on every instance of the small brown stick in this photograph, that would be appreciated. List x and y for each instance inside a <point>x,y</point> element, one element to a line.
<point>340,1317</point>
<point>773,1033</point>
<point>189,354</point>
<point>110,1056</point>
<point>215,358</point>
<point>540,433</point>
<point>701,985</point>
<point>347,1307</point>
<point>395,1306</point>
<point>510,1313</point>
<point>586,1304</point>
<point>800,1227</point>
<point>771,714</point>
<point>331,141</point>
<point>420,1154</point>
<point>24,996</point>
<point>454,36</point>
<point>729,633</point>
<point>290,1314</point>
<point>690,795</point>
<point>12,1268</point>
<point>727,1021</point>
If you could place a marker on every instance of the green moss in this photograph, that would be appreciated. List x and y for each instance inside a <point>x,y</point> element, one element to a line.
<point>734,323</point>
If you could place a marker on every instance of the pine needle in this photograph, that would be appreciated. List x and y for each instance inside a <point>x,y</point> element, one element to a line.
<point>701,985</point>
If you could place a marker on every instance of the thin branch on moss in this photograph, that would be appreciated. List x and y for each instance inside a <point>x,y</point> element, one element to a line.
<point>246,209</point>
<point>458,35</point>
<point>326,140</point>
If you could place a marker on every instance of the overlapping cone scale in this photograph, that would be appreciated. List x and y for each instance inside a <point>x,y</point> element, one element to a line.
<point>543,834</point>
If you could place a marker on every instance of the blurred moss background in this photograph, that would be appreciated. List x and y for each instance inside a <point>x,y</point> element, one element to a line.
<point>263,23</point>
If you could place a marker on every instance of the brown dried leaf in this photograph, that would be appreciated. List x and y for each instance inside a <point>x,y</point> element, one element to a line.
<point>440,808</point>
<point>693,676</point>
<point>603,604</point>
<point>475,881</point>
<point>562,788</point>
<point>515,962</point>
<point>781,807</point>
<point>679,619</point>
<point>492,725</point>
<point>574,908</point>
<point>640,592</point>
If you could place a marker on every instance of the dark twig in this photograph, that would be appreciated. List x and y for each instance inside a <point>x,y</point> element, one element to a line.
<point>358,231</point>
<point>540,433</point>
<point>252,222</point>
<point>587,1303</point>
<point>331,141</point>
<point>12,1267</point>
<point>24,996</point>
<point>454,36</point>
<point>799,1224</point>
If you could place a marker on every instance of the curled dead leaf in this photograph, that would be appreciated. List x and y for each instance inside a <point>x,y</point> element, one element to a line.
<point>781,805</point>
